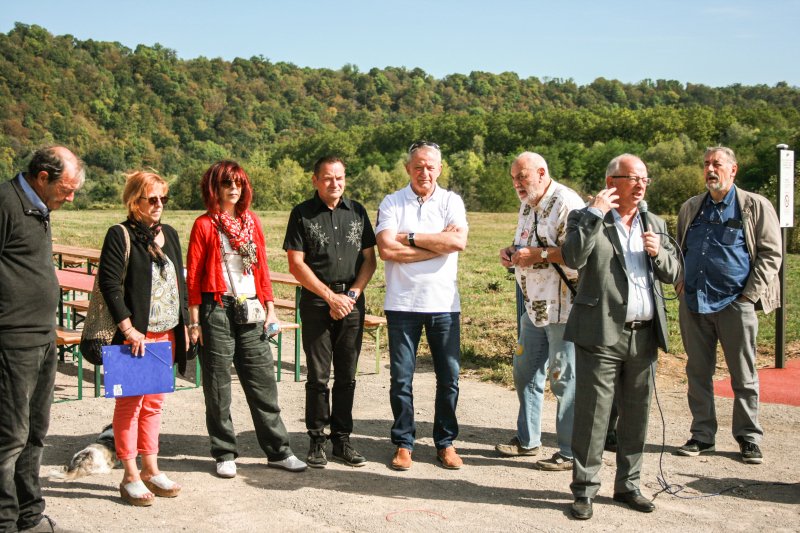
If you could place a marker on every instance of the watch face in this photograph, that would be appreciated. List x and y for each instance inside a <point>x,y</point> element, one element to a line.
<point>351,295</point>
<point>545,253</point>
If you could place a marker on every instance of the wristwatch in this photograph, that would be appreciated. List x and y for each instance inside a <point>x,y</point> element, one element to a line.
<point>411,240</point>
<point>544,254</point>
<point>352,295</point>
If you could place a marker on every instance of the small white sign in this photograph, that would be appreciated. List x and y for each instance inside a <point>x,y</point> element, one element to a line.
<point>786,189</point>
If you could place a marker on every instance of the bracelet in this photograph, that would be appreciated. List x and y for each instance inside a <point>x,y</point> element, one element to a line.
<point>193,325</point>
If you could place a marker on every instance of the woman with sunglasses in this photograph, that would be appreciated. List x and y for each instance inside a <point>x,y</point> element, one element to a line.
<point>227,259</point>
<point>146,296</point>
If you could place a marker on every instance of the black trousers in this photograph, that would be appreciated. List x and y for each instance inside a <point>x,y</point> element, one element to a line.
<point>331,342</point>
<point>27,376</point>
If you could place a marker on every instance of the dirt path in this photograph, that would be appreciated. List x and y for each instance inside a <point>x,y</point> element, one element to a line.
<point>489,494</point>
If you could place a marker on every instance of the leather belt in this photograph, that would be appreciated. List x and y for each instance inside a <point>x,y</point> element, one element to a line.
<point>638,324</point>
<point>339,288</point>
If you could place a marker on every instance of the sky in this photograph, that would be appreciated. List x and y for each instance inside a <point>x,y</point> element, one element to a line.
<point>713,42</point>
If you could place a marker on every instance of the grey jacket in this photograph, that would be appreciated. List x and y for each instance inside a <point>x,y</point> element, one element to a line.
<point>762,236</point>
<point>592,247</point>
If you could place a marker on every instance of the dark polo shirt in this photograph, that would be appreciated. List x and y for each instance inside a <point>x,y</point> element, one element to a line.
<point>331,239</point>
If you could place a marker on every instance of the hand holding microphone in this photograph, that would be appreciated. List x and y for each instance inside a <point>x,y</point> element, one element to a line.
<point>652,241</point>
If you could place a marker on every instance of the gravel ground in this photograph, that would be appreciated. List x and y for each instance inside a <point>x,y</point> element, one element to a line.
<point>489,493</point>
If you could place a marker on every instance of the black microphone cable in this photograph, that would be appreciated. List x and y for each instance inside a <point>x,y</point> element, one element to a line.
<point>675,489</point>
<point>669,488</point>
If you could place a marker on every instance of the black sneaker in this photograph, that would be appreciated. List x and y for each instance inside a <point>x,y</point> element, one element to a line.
<point>344,452</point>
<point>693,448</point>
<point>316,454</point>
<point>751,453</point>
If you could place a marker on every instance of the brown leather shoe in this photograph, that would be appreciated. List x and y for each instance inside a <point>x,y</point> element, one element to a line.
<point>401,459</point>
<point>449,458</point>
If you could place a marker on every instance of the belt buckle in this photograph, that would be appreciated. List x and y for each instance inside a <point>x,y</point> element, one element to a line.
<point>338,287</point>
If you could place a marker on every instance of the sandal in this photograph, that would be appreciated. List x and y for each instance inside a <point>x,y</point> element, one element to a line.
<point>163,486</point>
<point>136,493</point>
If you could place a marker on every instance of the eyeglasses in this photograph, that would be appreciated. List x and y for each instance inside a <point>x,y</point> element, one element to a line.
<point>153,200</point>
<point>420,144</point>
<point>635,179</point>
<point>230,183</point>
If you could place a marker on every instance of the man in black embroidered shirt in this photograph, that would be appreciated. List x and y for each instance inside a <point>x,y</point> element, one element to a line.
<point>331,249</point>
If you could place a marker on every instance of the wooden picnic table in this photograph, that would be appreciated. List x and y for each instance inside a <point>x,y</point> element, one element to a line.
<point>70,280</point>
<point>91,255</point>
<point>289,279</point>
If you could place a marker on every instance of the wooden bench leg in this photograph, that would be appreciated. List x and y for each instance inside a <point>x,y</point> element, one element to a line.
<point>298,339</point>
<point>80,374</point>
<point>280,345</point>
<point>378,349</point>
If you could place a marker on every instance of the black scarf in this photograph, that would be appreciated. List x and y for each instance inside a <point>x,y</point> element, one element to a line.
<point>146,236</point>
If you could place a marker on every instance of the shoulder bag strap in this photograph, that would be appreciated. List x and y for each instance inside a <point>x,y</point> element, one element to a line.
<point>556,266</point>
<point>225,261</point>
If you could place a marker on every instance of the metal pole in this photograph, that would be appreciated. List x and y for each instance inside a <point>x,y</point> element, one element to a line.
<point>780,315</point>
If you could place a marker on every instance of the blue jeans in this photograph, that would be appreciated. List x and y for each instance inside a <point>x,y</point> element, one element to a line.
<point>544,354</point>
<point>443,331</point>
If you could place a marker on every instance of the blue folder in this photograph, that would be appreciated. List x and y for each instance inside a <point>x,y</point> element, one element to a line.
<point>127,375</point>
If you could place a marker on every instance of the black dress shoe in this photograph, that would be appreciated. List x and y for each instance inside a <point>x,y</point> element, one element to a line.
<point>635,501</point>
<point>582,508</point>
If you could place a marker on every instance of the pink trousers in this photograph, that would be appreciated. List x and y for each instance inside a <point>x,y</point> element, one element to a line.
<point>137,419</point>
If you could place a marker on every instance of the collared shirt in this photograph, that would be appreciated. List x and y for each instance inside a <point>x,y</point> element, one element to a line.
<point>640,295</point>
<point>425,286</point>
<point>330,239</point>
<point>32,196</point>
<point>717,262</point>
<point>547,299</point>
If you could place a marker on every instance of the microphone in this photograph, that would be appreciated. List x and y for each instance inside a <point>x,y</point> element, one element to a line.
<point>643,214</point>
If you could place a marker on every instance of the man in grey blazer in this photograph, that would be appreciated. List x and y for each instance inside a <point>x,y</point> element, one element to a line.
<point>618,322</point>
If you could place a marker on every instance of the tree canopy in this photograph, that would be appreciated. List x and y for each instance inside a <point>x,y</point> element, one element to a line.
<point>123,109</point>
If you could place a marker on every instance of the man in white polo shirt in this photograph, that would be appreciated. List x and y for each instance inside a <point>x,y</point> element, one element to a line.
<point>420,230</point>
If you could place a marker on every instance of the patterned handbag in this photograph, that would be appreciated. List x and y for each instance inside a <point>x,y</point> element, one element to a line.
<point>99,327</point>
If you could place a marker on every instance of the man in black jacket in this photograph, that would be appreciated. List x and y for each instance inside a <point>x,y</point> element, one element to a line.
<point>29,295</point>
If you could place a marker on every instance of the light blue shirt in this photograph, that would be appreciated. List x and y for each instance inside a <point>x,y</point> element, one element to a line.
<point>640,297</point>
<point>32,196</point>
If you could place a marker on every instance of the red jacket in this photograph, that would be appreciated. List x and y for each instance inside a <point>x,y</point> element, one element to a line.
<point>204,270</point>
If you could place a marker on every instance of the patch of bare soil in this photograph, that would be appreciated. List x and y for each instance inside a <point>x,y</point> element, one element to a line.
<point>489,493</point>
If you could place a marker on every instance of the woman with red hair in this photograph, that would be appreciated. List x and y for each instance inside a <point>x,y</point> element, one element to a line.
<point>227,259</point>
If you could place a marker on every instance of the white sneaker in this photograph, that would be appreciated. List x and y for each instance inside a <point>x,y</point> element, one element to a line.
<point>291,463</point>
<point>226,469</point>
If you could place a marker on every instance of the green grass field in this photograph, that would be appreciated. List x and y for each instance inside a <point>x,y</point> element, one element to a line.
<point>487,291</point>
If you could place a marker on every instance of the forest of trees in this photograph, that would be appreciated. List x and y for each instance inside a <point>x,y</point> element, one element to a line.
<point>123,109</point>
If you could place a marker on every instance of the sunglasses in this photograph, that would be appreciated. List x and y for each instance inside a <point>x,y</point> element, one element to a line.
<point>153,200</point>
<point>420,144</point>
<point>226,183</point>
